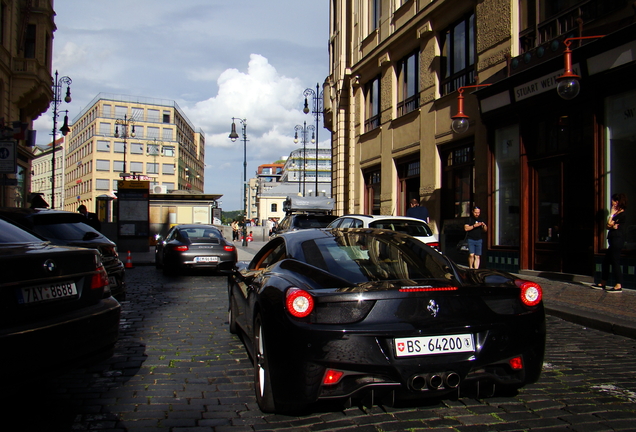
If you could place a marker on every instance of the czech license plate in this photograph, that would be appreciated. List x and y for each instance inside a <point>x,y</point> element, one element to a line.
<point>426,345</point>
<point>206,259</point>
<point>46,292</point>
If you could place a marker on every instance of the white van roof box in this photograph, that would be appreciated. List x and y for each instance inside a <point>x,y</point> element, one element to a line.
<point>319,204</point>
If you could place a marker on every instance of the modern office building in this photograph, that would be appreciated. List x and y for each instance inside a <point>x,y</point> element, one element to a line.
<point>26,43</point>
<point>126,137</point>
<point>541,167</point>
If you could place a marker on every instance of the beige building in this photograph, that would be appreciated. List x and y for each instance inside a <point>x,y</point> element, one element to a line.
<point>541,164</point>
<point>26,41</point>
<point>123,137</point>
<point>41,171</point>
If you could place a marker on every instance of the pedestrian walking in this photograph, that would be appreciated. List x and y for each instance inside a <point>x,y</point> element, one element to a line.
<point>417,211</point>
<point>475,228</point>
<point>616,241</point>
<point>91,218</point>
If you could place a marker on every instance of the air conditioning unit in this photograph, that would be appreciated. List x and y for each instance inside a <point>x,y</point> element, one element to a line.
<point>159,189</point>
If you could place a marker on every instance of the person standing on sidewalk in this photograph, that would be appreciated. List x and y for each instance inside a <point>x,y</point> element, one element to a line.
<point>616,241</point>
<point>474,234</point>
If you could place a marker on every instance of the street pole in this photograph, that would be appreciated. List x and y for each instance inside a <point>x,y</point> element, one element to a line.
<point>234,136</point>
<point>317,109</point>
<point>57,99</point>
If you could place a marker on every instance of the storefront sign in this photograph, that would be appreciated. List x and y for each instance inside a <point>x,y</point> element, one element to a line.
<point>8,157</point>
<point>540,85</point>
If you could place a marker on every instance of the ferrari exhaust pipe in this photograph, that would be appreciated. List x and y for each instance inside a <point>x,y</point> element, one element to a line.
<point>451,379</point>
<point>435,381</point>
<point>418,382</point>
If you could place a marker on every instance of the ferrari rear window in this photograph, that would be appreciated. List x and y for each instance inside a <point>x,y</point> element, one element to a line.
<point>412,228</point>
<point>360,258</point>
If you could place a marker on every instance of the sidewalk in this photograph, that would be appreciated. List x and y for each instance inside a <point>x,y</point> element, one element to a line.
<point>573,301</point>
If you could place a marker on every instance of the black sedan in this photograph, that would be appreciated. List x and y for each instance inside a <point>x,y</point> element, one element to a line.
<point>343,314</point>
<point>194,246</point>
<point>71,229</point>
<point>53,311</point>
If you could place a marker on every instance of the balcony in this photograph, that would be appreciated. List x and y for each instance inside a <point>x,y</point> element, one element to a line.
<point>31,87</point>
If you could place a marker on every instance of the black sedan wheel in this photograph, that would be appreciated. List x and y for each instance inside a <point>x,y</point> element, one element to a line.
<point>262,383</point>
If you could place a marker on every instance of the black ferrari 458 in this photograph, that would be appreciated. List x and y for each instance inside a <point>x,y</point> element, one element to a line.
<point>343,314</point>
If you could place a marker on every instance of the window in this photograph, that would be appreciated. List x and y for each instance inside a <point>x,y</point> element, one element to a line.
<point>153,149</point>
<point>458,55</point>
<point>152,168</point>
<point>118,166</point>
<point>102,165</point>
<point>119,147</point>
<point>105,129</point>
<point>29,41</point>
<point>374,15</point>
<point>137,167</point>
<point>153,132</point>
<point>167,134</point>
<point>372,188</point>
<point>153,115</point>
<point>167,169</point>
<point>136,148</point>
<point>458,181</point>
<point>372,104</point>
<point>168,151</point>
<point>169,186</point>
<point>3,22</point>
<point>102,184</point>
<point>121,111</point>
<point>507,187</point>
<point>137,114</point>
<point>103,146</point>
<point>408,84</point>
<point>274,208</point>
<point>166,116</point>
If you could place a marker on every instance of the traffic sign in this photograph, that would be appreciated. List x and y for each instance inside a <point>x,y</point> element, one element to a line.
<point>8,157</point>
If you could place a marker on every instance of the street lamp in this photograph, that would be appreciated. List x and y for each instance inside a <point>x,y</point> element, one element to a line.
<point>125,123</point>
<point>57,99</point>
<point>317,109</point>
<point>460,122</point>
<point>234,136</point>
<point>304,128</point>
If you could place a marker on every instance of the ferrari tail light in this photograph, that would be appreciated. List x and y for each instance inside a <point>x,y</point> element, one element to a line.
<point>433,245</point>
<point>332,376</point>
<point>531,292</point>
<point>516,363</point>
<point>299,302</point>
<point>229,248</point>
<point>99,279</point>
<point>180,248</point>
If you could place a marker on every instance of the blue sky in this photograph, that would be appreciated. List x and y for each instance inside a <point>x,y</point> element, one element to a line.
<point>217,59</point>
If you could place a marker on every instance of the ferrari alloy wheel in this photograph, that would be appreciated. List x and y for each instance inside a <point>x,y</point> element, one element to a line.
<point>262,384</point>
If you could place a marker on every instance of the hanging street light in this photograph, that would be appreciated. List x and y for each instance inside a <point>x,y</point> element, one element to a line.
<point>57,99</point>
<point>234,136</point>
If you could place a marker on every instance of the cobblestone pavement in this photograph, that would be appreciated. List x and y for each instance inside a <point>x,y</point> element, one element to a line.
<point>178,369</point>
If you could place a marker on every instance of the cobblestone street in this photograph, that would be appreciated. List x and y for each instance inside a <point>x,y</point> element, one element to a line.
<point>177,368</point>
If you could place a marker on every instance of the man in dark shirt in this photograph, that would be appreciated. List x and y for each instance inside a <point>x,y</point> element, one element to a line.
<point>91,218</point>
<point>417,211</point>
<point>474,231</point>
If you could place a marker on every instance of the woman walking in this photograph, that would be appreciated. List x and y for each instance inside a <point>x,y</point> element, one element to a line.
<point>616,241</point>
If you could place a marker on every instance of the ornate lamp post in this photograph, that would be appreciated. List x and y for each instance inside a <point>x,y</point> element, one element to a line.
<point>234,136</point>
<point>125,123</point>
<point>316,109</point>
<point>304,128</point>
<point>57,99</point>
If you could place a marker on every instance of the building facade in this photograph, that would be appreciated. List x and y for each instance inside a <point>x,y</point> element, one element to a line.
<point>124,137</point>
<point>26,42</point>
<point>41,169</point>
<point>541,168</point>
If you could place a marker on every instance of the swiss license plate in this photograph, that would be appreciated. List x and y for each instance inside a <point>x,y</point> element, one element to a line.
<point>46,292</point>
<point>426,345</point>
<point>206,259</point>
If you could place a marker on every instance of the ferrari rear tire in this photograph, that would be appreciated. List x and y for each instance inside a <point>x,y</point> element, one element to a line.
<point>262,380</point>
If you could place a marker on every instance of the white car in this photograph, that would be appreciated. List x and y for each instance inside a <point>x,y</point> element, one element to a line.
<point>408,225</point>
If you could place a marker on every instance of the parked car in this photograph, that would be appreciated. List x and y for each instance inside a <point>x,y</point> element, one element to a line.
<point>345,313</point>
<point>53,311</point>
<point>70,229</point>
<point>306,213</point>
<point>408,225</point>
<point>194,246</point>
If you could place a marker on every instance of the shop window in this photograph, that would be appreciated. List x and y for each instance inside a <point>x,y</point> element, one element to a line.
<point>458,186</point>
<point>408,84</point>
<point>620,136</point>
<point>372,104</point>
<point>372,192</point>
<point>458,55</point>
<point>507,188</point>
